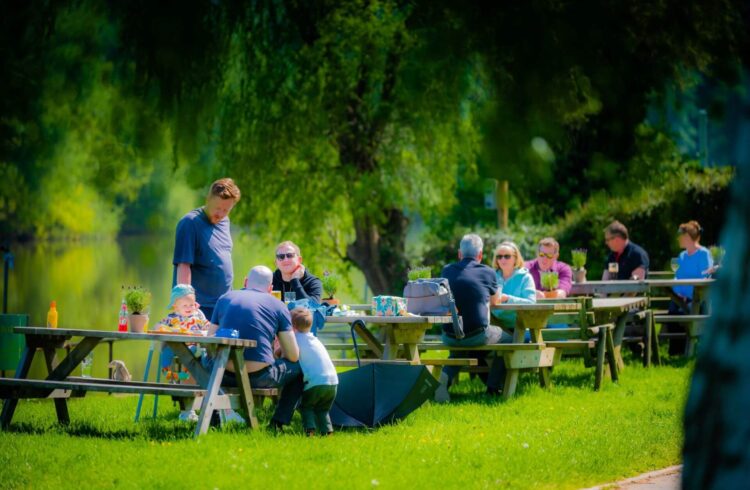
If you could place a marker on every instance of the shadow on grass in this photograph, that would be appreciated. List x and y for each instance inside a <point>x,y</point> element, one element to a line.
<point>150,430</point>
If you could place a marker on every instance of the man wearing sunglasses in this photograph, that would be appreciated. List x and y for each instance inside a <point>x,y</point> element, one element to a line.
<point>292,277</point>
<point>548,252</point>
<point>203,246</point>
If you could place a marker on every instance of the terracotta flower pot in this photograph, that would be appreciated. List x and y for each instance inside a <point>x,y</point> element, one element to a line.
<point>579,275</point>
<point>331,301</point>
<point>550,294</point>
<point>138,323</point>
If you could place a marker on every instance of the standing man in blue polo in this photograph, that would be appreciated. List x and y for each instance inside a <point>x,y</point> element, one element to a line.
<point>203,246</point>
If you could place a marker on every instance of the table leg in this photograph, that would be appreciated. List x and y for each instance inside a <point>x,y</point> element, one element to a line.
<point>10,404</point>
<point>695,309</point>
<point>601,345</point>
<point>647,344</point>
<point>611,357</point>
<point>617,336</point>
<point>390,349</point>
<point>246,393</point>
<point>61,404</point>
<point>511,381</point>
<point>111,353</point>
<point>412,353</point>
<point>544,379</point>
<point>212,388</point>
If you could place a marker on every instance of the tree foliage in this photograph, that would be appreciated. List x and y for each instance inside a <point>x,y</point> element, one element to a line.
<point>341,121</point>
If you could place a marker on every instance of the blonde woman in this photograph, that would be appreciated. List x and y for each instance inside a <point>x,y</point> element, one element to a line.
<point>513,279</point>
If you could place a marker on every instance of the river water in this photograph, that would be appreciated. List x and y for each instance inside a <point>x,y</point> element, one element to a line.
<point>86,278</point>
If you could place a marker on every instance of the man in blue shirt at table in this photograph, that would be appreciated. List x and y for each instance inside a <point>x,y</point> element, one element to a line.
<point>474,287</point>
<point>257,315</point>
<point>627,260</point>
<point>203,246</point>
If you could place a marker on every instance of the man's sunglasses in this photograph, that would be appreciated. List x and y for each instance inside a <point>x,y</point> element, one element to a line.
<point>506,257</point>
<point>549,256</point>
<point>290,255</point>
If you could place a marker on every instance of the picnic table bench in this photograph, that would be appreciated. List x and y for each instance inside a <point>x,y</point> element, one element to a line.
<point>59,384</point>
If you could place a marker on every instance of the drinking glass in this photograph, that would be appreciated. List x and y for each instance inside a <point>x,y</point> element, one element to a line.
<point>614,268</point>
<point>674,264</point>
<point>289,296</point>
<point>86,364</point>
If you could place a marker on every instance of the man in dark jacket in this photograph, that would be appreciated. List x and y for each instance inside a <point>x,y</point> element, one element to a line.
<point>292,277</point>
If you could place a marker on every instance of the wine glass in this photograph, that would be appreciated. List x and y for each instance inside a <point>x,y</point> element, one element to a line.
<point>674,264</point>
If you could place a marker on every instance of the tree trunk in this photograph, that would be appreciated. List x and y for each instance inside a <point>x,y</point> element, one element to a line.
<point>717,416</point>
<point>380,252</point>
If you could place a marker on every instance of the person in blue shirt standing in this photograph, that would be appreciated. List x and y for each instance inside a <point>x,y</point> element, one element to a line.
<point>203,246</point>
<point>694,262</point>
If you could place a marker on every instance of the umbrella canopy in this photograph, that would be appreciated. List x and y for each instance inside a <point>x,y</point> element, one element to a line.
<point>380,393</point>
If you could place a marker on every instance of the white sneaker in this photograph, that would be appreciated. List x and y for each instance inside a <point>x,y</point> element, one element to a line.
<point>189,416</point>
<point>441,394</point>
<point>232,416</point>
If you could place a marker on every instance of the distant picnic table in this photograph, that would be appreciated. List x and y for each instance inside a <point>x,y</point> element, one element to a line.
<point>59,384</point>
<point>592,288</point>
<point>693,321</point>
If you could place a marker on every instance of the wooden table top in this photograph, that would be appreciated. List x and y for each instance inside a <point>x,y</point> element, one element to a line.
<point>545,306</point>
<point>389,319</point>
<point>699,282</point>
<point>112,334</point>
<point>623,304</point>
<point>615,287</point>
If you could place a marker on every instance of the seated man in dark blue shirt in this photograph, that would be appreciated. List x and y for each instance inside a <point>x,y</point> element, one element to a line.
<point>257,315</point>
<point>474,287</point>
<point>626,259</point>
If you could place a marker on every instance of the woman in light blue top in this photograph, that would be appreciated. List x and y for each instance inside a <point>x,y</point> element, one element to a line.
<point>695,262</point>
<point>514,281</point>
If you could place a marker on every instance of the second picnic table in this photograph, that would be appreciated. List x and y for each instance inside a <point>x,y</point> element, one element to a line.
<point>406,331</point>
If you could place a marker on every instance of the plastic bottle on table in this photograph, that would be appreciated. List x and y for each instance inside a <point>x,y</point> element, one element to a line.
<point>122,325</point>
<point>52,315</point>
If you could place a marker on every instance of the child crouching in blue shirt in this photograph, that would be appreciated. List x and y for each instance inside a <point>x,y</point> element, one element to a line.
<point>319,373</point>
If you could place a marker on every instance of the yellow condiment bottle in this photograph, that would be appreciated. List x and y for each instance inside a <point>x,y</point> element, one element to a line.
<point>52,315</point>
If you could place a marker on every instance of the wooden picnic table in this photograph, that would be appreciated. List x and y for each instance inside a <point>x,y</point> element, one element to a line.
<point>406,331</point>
<point>534,318</point>
<point>700,286</point>
<point>618,311</point>
<point>59,384</point>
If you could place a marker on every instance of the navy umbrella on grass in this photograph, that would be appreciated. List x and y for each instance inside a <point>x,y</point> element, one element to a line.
<point>378,394</point>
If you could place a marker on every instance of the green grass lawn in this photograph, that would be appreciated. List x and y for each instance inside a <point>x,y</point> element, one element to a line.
<point>569,437</point>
